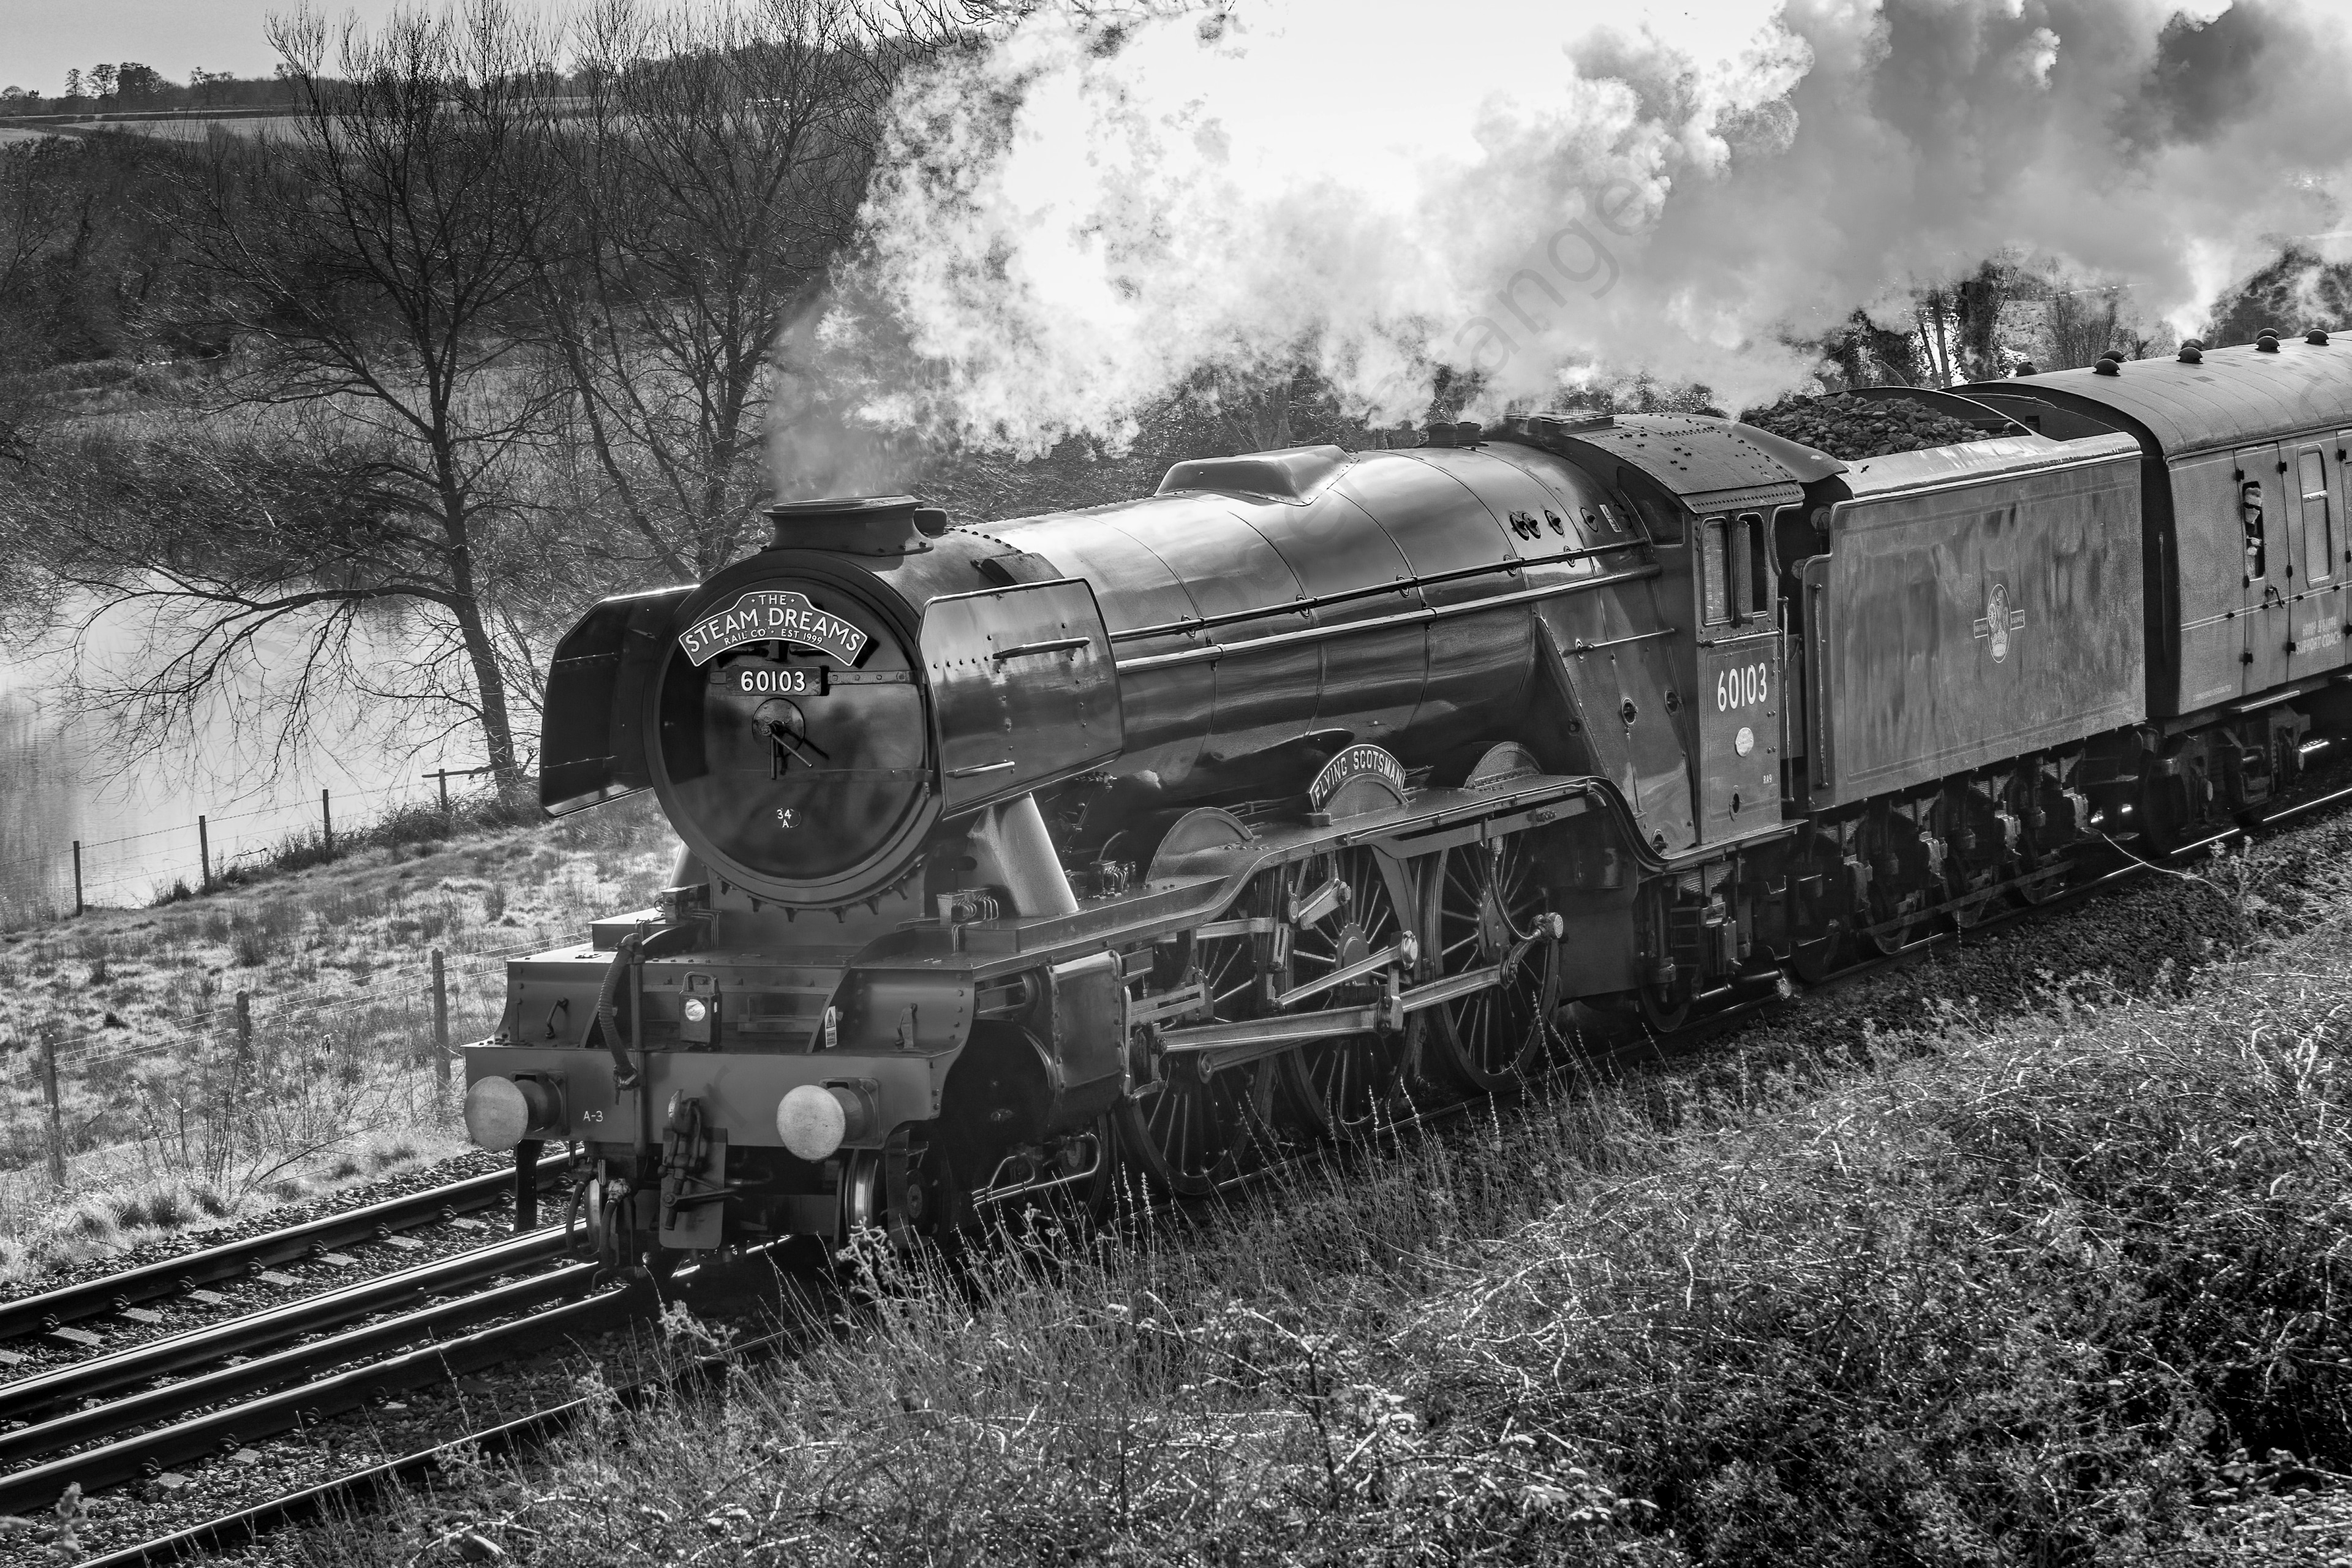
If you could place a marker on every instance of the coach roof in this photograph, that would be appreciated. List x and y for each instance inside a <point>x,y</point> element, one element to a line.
<point>2231,396</point>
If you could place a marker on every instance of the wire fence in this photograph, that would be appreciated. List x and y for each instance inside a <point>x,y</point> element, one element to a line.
<point>255,1069</point>
<point>60,880</point>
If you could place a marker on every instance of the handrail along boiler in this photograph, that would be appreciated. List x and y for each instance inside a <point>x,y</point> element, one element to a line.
<point>1157,832</point>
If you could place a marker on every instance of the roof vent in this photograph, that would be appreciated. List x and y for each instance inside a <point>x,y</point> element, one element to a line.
<point>1544,427</point>
<point>1466,432</point>
<point>858,525</point>
<point>2025,367</point>
<point>2107,367</point>
<point>1293,473</point>
<point>2267,342</point>
<point>2115,354</point>
<point>2317,337</point>
<point>1440,433</point>
<point>2192,352</point>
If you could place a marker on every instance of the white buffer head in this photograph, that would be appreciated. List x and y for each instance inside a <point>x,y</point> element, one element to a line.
<point>814,1120</point>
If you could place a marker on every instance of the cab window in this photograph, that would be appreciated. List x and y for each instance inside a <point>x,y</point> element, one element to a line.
<point>1751,567</point>
<point>1715,572</point>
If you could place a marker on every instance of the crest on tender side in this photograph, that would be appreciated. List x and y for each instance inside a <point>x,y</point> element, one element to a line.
<point>1998,621</point>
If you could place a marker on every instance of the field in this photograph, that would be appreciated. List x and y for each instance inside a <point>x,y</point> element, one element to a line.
<point>1973,1263</point>
<point>163,1102</point>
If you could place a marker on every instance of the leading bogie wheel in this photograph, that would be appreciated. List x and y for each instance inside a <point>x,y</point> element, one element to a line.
<point>1190,1131</point>
<point>1342,1086</point>
<point>1484,907</point>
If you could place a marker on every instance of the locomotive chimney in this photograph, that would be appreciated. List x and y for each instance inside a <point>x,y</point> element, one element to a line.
<point>858,525</point>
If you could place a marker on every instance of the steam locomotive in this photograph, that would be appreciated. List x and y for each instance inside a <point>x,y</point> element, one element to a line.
<point>1144,837</point>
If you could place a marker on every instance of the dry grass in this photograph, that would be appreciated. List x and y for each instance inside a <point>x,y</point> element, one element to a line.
<point>1971,1295</point>
<point>337,1083</point>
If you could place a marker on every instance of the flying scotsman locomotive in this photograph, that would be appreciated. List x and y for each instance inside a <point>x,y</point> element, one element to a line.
<point>1136,837</point>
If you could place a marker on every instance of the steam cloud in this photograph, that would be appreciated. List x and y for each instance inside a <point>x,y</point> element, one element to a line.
<point>1071,220</point>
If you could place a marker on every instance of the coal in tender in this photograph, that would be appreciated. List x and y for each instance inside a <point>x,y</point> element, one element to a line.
<point>1850,427</point>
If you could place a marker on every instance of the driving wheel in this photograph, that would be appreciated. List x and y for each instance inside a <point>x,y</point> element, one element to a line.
<point>1483,908</point>
<point>1192,1129</point>
<point>1345,911</point>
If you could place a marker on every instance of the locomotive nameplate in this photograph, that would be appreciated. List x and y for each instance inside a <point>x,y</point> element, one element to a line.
<point>1362,760</point>
<point>771,614</point>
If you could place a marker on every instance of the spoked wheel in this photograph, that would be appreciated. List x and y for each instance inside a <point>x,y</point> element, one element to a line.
<point>1190,1131</point>
<point>2032,892</point>
<point>1341,1087</point>
<point>1895,934</point>
<point>1482,906</point>
<point>1897,912</point>
<point>1968,912</point>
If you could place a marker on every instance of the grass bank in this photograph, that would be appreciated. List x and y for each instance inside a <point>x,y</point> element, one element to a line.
<point>2047,1290</point>
<point>171,1116</point>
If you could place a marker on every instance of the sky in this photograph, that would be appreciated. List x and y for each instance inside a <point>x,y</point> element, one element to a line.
<point>40,41</point>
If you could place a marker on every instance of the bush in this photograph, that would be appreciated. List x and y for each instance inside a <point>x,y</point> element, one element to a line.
<point>2012,1295</point>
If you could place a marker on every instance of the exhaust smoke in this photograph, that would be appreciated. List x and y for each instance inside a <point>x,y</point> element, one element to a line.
<point>1072,218</point>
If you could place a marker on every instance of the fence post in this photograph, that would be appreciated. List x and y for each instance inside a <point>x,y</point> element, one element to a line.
<point>57,1109</point>
<point>205,853</point>
<point>245,1028</point>
<point>327,815</point>
<point>442,774</point>
<point>440,1022</point>
<point>78,904</point>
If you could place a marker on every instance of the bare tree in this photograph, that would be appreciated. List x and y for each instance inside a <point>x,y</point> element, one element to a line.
<point>2083,324</point>
<point>375,266</point>
<point>715,172</point>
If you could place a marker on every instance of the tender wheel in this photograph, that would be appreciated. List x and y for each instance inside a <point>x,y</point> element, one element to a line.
<point>1341,1087</point>
<point>1899,886</point>
<point>2166,821</point>
<point>1665,1008</point>
<point>1482,906</point>
<point>1190,1132</point>
<point>1824,917</point>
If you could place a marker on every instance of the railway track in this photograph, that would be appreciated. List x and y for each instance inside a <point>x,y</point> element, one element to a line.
<point>128,1291</point>
<point>106,1421</point>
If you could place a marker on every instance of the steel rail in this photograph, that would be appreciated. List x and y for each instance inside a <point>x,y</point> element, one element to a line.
<point>175,1275</point>
<point>241,1424</point>
<point>267,1329</point>
<point>114,1417</point>
<point>228,1531</point>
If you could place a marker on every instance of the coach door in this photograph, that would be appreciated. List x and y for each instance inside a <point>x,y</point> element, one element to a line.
<point>1739,699</point>
<point>2267,525</point>
<point>2317,635</point>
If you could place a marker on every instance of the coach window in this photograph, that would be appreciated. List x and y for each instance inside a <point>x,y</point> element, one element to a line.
<point>2250,516</point>
<point>1714,571</point>
<point>2318,537</point>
